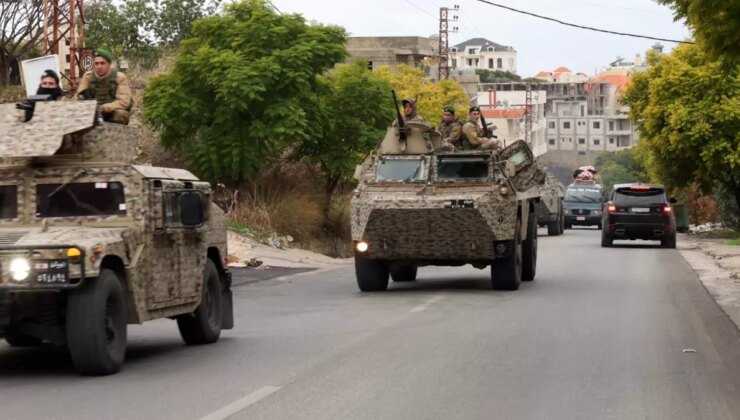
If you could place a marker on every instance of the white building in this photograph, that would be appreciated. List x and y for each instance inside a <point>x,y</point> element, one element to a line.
<point>507,110</point>
<point>480,53</point>
<point>571,128</point>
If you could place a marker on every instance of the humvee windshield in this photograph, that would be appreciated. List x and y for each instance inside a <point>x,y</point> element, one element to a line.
<point>518,157</point>
<point>401,170</point>
<point>8,201</point>
<point>80,199</point>
<point>468,167</point>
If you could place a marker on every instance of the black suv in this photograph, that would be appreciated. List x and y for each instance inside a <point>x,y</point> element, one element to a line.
<point>639,211</point>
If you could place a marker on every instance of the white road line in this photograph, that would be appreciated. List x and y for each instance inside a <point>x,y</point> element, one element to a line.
<point>241,404</point>
<point>430,301</point>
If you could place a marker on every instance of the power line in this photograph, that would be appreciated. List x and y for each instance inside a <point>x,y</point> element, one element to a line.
<point>613,6</point>
<point>422,10</point>
<point>581,26</point>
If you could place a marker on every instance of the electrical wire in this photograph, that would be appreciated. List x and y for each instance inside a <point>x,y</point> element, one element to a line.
<point>581,26</point>
<point>421,10</point>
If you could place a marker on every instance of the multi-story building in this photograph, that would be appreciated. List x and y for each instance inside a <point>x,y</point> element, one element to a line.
<point>480,53</point>
<point>391,50</point>
<point>507,110</point>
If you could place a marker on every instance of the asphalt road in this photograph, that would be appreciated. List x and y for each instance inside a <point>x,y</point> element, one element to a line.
<point>622,333</point>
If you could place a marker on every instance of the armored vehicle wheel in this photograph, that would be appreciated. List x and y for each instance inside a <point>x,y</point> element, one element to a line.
<point>529,250</point>
<point>96,325</point>
<point>506,273</point>
<point>203,326</point>
<point>561,224</point>
<point>606,239</point>
<point>568,226</point>
<point>553,228</point>
<point>404,272</point>
<point>17,339</point>
<point>669,242</point>
<point>372,275</point>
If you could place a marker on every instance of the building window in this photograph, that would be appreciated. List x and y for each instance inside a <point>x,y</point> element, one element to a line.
<point>611,125</point>
<point>611,140</point>
<point>490,49</point>
<point>551,141</point>
<point>471,51</point>
<point>490,63</point>
<point>453,49</point>
<point>597,142</point>
<point>66,42</point>
<point>551,124</point>
<point>581,141</point>
<point>582,152</point>
<point>583,110</point>
<point>454,63</point>
<point>499,62</point>
<point>597,125</point>
<point>566,125</point>
<point>66,57</point>
<point>470,62</point>
<point>369,65</point>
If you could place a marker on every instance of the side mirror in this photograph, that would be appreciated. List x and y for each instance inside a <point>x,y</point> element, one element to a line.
<point>672,200</point>
<point>191,209</point>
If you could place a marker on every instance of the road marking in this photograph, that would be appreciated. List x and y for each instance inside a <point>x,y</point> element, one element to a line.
<point>430,301</point>
<point>242,403</point>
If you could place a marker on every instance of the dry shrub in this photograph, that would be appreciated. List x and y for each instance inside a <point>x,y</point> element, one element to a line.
<point>702,208</point>
<point>12,94</point>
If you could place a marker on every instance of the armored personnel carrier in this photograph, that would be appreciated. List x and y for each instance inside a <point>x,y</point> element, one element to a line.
<point>417,206</point>
<point>549,208</point>
<point>90,242</point>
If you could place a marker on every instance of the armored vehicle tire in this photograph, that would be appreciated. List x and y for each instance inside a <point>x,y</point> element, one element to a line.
<point>96,325</point>
<point>669,242</point>
<point>506,273</point>
<point>203,326</point>
<point>529,250</point>
<point>404,272</point>
<point>606,240</point>
<point>553,228</point>
<point>372,275</point>
<point>561,223</point>
<point>568,226</point>
<point>17,339</point>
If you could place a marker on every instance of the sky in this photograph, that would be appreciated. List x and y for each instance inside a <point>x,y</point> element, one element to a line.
<point>541,45</point>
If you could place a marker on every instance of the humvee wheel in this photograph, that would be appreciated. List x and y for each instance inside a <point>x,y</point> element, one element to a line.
<point>372,275</point>
<point>529,250</point>
<point>506,273</point>
<point>96,325</point>
<point>17,339</point>
<point>203,326</point>
<point>405,272</point>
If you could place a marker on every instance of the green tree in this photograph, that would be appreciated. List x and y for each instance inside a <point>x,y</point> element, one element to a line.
<point>497,76</point>
<point>618,167</point>
<point>243,89</point>
<point>355,107</point>
<point>688,111</point>
<point>716,24</point>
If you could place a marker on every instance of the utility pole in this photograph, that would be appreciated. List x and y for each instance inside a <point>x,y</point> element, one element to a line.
<point>444,46</point>
<point>66,21</point>
<point>528,116</point>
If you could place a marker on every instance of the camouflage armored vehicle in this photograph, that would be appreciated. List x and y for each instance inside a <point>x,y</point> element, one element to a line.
<point>90,243</point>
<point>549,208</point>
<point>417,206</point>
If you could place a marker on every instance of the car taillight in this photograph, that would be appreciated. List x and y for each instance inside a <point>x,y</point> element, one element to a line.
<point>611,208</point>
<point>667,209</point>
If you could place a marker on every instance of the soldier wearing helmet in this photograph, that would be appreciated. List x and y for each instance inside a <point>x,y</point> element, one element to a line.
<point>409,110</point>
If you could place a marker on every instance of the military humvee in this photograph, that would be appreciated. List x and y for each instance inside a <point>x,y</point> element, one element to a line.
<point>90,242</point>
<point>549,208</point>
<point>416,206</point>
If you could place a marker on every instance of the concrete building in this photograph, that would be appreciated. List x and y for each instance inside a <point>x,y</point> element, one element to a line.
<point>391,50</point>
<point>480,53</point>
<point>507,110</point>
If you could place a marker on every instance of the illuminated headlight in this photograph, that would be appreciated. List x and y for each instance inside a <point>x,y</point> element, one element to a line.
<point>503,189</point>
<point>566,211</point>
<point>361,246</point>
<point>597,212</point>
<point>20,268</point>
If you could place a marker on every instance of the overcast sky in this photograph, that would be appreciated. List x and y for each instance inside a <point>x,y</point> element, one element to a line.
<point>541,45</point>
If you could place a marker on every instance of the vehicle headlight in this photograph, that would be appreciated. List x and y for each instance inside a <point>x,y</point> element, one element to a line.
<point>597,212</point>
<point>362,246</point>
<point>566,211</point>
<point>20,268</point>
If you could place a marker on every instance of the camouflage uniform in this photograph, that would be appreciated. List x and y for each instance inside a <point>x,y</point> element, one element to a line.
<point>451,134</point>
<point>115,107</point>
<point>474,137</point>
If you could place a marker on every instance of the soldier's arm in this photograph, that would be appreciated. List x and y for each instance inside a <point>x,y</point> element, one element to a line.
<point>455,134</point>
<point>84,84</point>
<point>471,133</point>
<point>123,95</point>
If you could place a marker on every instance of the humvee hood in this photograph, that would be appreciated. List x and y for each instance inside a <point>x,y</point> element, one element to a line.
<point>43,134</point>
<point>84,237</point>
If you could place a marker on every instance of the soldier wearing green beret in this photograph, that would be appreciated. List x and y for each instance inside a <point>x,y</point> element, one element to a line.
<point>109,87</point>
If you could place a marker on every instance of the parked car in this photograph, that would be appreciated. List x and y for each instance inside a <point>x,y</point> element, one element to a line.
<point>638,211</point>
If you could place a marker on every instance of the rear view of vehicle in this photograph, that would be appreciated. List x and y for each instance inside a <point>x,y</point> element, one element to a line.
<point>582,205</point>
<point>639,211</point>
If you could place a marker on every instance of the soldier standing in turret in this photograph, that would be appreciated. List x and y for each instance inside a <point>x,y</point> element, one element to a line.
<point>409,111</point>
<point>474,137</point>
<point>109,87</point>
<point>451,130</point>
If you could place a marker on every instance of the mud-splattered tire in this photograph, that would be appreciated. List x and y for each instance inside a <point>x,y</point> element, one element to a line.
<point>529,251</point>
<point>17,339</point>
<point>96,325</point>
<point>506,273</point>
<point>669,242</point>
<point>203,326</point>
<point>372,275</point>
<point>405,272</point>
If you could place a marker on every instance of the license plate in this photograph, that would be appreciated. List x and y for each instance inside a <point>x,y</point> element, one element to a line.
<point>640,210</point>
<point>581,218</point>
<point>52,271</point>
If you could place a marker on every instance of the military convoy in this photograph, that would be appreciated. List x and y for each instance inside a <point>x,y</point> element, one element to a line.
<point>416,206</point>
<point>90,242</point>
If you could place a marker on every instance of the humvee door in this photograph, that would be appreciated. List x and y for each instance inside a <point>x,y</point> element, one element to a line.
<point>519,159</point>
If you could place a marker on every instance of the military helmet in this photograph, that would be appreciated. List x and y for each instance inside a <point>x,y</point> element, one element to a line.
<point>405,101</point>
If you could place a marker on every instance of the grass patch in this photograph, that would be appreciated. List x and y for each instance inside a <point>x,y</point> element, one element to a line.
<point>723,233</point>
<point>733,242</point>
